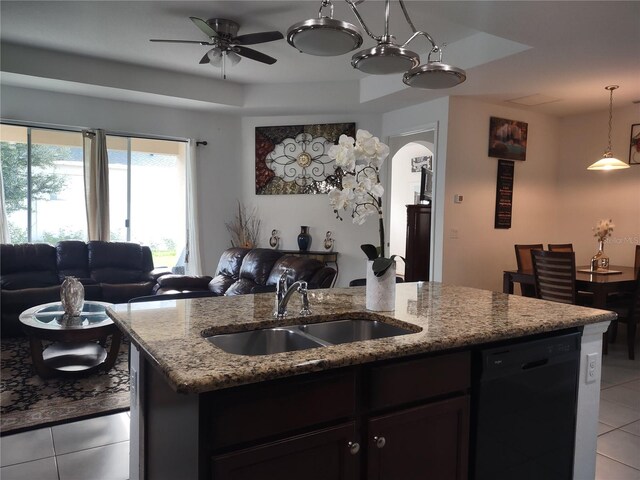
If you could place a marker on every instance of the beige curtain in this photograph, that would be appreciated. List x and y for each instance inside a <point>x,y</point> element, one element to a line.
<point>96,184</point>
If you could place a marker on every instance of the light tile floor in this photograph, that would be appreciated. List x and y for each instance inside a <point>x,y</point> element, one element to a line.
<point>98,449</point>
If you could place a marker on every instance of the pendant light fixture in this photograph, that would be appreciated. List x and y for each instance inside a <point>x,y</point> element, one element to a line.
<point>608,161</point>
<point>327,36</point>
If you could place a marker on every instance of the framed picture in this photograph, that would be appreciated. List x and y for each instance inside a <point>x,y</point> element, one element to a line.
<point>507,139</point>
<point>293,159</point>
<point>418,162</point>
<point>634,148</point>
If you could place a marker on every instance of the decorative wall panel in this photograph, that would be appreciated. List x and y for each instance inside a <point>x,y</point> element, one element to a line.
<point>293,159</point>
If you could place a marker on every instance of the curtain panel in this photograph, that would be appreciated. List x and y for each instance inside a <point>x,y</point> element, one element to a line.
<point>193,258</point>
<point>4,223</point>
<point>96,184</point>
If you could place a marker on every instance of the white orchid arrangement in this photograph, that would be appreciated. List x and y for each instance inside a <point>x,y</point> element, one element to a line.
<point>360,192</point>
<point>603,229</point>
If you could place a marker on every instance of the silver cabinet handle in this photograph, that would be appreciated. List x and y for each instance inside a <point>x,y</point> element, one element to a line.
<point>380,441</point>
<point>354,448</point>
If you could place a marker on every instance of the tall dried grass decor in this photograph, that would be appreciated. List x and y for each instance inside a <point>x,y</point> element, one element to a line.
<point>245,228</point>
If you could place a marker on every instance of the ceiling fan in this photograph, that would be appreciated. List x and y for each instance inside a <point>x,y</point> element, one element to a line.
<point>226,45</point>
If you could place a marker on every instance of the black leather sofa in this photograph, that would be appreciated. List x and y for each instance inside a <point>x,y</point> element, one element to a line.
<point>31,274</point>
<point>243,270</point>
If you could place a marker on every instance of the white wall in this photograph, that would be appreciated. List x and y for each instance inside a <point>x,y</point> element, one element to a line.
<point>480,253</point>
<point>218,171</point>
<point>287,213</point>
<point>427,116</point>
<point>588,196</point>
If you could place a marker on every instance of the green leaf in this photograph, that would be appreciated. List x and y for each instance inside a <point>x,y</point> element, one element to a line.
<point>370,251</point>
<point>382,264</point>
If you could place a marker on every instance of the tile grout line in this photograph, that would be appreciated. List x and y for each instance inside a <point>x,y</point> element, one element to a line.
<point>618,461</point>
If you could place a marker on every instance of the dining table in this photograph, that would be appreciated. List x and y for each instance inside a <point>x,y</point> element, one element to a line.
<point>617,279</point>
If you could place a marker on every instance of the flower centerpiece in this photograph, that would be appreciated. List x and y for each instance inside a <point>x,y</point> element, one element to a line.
<point>602,230</point>
<point>359,192</point>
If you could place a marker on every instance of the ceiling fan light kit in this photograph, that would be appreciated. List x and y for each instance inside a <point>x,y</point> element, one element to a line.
<point>227,46</point>
<point>326,36</point>
<point>608,161</point>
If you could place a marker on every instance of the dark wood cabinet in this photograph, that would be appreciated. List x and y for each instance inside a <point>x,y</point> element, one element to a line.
<point>331,453</point>
<point>418,247</point>
<point>429,441</point>
<point>318,426</point>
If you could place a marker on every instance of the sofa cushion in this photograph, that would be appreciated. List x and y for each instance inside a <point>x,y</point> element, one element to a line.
<point>300,268</point>
<point>257,265</point>
<point>28,265</point>
<point>72,260</point>
<point>122,293</point>
<point>242,287</point>
<point>228,271</point>
<point>231,261</point>
<point>14,302</point>
<point>116,262</point>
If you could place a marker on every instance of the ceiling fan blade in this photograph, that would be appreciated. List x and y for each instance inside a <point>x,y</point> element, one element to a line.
<point>178,41</point>
<point>254,55</point>
<point>254,38</point>
<point>204,26</point>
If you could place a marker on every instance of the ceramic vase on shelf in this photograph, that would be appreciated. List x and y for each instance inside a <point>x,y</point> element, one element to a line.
<point>381,291</point>
<point>304,239</point>
<point>72,296</point>
<point>600,261</point>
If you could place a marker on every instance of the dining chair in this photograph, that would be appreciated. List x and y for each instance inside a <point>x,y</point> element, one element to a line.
<point>523,259</point>
<point>555,275</point>
<point>630,315</point>
<point>561,247</point>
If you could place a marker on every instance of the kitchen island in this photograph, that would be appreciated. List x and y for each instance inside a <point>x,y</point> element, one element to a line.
<point>196,410</point>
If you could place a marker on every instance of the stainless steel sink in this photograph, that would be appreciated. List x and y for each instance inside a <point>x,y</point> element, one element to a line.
<point>264,342</point>
<point>302,337</point>
<point>352,330</point>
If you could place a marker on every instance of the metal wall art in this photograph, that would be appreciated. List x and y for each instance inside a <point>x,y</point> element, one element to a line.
<point>294,160</point>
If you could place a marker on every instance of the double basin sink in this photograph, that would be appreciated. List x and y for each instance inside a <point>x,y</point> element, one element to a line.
<point>301,337</point>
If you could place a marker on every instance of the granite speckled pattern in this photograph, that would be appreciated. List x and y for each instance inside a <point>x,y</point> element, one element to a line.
<point>171,334</point>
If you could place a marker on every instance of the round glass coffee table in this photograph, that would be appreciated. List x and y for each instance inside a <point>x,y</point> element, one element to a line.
<point>79,343</point>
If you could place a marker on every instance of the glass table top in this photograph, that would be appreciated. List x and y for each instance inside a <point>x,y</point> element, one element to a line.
<point>51,316</point>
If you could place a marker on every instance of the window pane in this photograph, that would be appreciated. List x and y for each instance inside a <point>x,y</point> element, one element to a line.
<point>57,187</point>
<point>13,155</point>
<point>117,153</point>
<point>158,220</point>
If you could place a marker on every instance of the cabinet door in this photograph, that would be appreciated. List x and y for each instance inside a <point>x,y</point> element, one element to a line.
<point>320,455</point>
<point>426,442</point>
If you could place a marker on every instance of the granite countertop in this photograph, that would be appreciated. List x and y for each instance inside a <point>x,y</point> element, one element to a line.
<point>171,333</point>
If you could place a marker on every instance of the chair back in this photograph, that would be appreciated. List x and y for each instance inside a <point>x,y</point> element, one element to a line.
<point>555,275</point>
<point>561,247</point>
<point>523,255</point>
<point>636,263</point>
<point>523,258</point>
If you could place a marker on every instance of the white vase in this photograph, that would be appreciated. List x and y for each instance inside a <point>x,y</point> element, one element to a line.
<point>381,291</point>
<point>72,296</point>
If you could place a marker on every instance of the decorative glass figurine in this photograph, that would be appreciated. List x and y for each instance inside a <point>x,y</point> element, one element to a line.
<point>72,296</point>
<point>274,241</point>
<point>328,242</point>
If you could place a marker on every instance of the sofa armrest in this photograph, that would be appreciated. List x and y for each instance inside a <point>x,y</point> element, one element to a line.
<point>183,282</point>
<point>323,278</point>
<point>156,273</point>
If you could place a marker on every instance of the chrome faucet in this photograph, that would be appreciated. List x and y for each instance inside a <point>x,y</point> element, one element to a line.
<point>284,293</point>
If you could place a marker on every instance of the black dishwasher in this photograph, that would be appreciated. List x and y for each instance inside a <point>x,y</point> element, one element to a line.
<point>524,407</point>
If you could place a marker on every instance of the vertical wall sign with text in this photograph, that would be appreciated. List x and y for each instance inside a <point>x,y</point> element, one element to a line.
<point>504,194</point>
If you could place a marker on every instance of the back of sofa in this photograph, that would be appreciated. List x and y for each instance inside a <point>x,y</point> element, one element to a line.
<point>254,271</point>
<point>27,265</point>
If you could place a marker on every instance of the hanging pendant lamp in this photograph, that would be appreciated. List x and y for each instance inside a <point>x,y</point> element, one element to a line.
<point>608,161</point>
